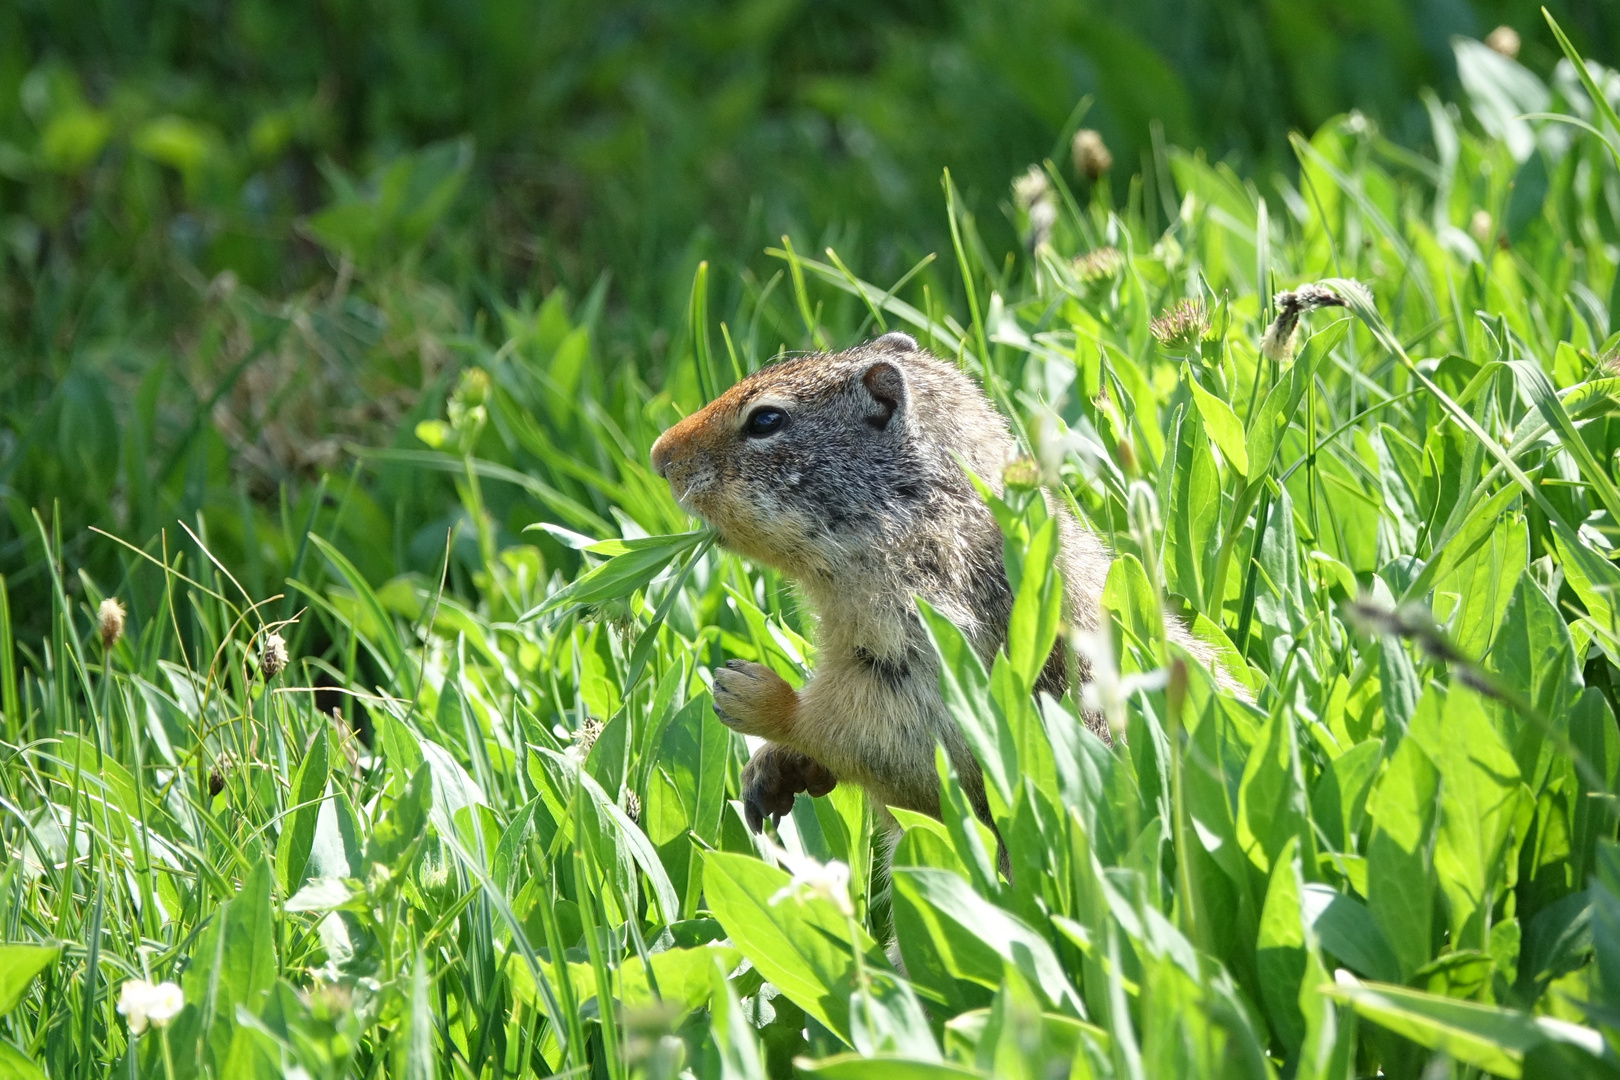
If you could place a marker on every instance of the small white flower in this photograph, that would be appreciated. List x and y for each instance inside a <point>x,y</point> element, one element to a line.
<point>830,881</point>
<point>1108,690</point>
<point>142,1003</point>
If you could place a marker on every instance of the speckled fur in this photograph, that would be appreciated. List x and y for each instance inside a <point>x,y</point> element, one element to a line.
<point>860,499</point>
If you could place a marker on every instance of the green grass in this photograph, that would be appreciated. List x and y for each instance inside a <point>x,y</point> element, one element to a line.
<point>1400,858</point>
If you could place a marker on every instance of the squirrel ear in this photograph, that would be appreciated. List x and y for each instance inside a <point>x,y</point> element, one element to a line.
<point>896,342</point>
<point>887,385</point>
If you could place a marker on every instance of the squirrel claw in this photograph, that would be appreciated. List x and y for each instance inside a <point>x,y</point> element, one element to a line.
<point>730,721</point>
<point>771,779</point>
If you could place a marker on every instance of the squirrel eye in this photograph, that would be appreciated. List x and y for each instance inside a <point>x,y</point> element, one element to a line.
<point>764,421</point>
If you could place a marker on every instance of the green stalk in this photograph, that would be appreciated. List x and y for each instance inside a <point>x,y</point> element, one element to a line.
<point>1215,600</point>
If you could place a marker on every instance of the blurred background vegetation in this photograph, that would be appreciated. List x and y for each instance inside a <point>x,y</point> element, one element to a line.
<point>238,237</point>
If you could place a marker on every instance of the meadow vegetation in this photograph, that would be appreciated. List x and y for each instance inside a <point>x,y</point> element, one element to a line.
<point>412,771</point>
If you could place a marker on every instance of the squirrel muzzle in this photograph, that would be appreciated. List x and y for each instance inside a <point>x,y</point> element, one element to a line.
<point>679,457</point>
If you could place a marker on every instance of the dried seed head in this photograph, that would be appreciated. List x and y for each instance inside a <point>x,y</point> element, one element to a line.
<point>110,622</point>
<point>1031,188</point>
<point>1182,327</point>
<point>1090,153</point>
<point>273,657</point>
<point>1505,40</point>
<point>223,764</point>
<point>1278,342</point>
<point>632,805</point>
<point>585,737</point>
<point>1103,264</point>
<point>1034,195</point>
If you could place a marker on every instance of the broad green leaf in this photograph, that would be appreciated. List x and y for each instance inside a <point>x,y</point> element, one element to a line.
<point>15,1066</point>
<point>965,686</point>
<point>398,833</point>
<point>885,1017</point>
<point>1328,1049</point>
<point>733,1035</point>
<point>1398,688</point>
<point>1339,799</point>
<point>1037,608</point>
<point>856,1067</point>
<point>19,963</point>
<point>633,565</point>
<point>1482,584</point>
<point>1191,496</point>
<point>1534,658</point>
<point>1224,428</point>
<point>620,841</point>
<point>1479,799</point>
<point>982,928</point>
<point>800,943</point>
<point>1281,947</point>
<point>1128,596</point>
<point>1272,805</point>
<point>1490,1038</point>
<point>1538,390</point>
<point>1344,927</point>
<point>233,965</point>
<point>681,976</point>
<point>1400,868</point>
<point>305,803</point>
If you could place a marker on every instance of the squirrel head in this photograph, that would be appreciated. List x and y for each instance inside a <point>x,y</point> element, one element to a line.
<point>814,460</point>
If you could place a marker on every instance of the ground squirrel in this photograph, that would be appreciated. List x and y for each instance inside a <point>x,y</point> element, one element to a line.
<point>845,472</point>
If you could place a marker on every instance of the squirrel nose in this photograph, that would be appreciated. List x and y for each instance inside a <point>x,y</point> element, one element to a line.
<point>661,454</point>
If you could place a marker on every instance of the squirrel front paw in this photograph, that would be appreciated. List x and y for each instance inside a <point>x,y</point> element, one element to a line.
<point>773,776</point>
<point>754,700</point>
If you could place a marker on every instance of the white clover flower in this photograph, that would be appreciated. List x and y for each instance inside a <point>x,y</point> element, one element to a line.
<point>830,881</point>
<point>143,1004</point>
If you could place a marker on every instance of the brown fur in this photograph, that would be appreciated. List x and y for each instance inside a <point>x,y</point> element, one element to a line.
<point>861,499</point>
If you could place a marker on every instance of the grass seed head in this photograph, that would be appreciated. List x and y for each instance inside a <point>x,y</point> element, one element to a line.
<point>585,737</point>
<point>1182,327</point>
<point>1034,195</point>
<point>1031,188</point>
<point>110,622</point>
<point>273,656</point>
<point>1091,155</point>
<point>1103,264</point>
<point>1505,40</point>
